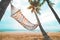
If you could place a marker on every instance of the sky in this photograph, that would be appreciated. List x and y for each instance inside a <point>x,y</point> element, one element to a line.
<point>47,18</point>
<point>0,0</point>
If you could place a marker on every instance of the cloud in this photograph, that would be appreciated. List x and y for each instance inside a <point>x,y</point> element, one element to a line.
<point>47,15</point>
<point>0,0</point>
<point>55,1</point>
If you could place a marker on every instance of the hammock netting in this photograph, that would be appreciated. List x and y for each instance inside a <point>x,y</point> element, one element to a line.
<point>19,17</point>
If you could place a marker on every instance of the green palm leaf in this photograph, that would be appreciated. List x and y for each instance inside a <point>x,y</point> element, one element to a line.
<point>35,5</point>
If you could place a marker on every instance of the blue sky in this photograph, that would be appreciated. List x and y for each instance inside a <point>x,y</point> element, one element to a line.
<point>47,18</point>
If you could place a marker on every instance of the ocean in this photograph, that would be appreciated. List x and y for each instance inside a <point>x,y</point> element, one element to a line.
<point>22,30</point>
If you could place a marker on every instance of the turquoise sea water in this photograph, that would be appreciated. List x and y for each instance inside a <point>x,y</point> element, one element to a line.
<point>22,30</point>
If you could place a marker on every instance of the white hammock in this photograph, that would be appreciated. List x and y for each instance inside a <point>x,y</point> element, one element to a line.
<point>18,16</point>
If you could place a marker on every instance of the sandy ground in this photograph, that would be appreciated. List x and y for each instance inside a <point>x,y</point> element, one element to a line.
<point>27,36</point>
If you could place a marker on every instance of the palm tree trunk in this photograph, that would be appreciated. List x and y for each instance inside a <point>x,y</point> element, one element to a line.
<point>46,37</point>
<point>55,14</point>
<point>3,6</point>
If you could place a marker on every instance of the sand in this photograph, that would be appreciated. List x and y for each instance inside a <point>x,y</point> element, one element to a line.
<point>27,36</point>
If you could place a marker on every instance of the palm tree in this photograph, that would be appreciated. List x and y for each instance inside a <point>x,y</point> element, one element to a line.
<point>3,6</point>
<point>55,14</point>
<point>35,8</point>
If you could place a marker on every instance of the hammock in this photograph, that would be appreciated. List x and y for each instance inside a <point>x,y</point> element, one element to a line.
<point>18,16</point>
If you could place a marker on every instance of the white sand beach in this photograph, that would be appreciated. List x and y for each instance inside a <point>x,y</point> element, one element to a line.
<point>27,35</point>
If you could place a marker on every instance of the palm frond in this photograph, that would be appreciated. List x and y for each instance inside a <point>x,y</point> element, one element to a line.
<point>35,5</point>
<point>51,3</point>
<point>30,7</point>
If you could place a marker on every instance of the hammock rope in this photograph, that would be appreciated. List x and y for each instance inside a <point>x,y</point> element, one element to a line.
<point>19,17</point>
